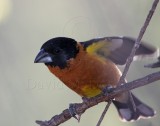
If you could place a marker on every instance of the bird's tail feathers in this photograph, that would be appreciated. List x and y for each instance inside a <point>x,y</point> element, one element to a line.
<point>129,113</point>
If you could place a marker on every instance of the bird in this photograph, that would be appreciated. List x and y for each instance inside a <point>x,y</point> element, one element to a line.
<point>88,67</point>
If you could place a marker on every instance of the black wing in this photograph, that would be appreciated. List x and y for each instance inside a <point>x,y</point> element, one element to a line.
<point>117,49</point>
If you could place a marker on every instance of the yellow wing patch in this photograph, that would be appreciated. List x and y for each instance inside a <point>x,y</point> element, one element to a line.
<point>93,48</point>
<point>101,49</point>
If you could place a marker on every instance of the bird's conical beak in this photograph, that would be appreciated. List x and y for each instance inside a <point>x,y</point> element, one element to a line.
<point>43,57</point>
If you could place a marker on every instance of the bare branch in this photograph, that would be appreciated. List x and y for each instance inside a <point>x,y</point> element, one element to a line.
<point>136,46</point>
<point>104,113</point>
<point>80,108</point>
<point>138,41</point>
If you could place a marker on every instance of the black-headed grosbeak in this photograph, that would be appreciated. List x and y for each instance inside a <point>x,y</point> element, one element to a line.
<point>88,67</point>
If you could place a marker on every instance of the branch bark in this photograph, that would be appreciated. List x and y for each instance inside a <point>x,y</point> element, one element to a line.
<point>138,41</point>
<point>80,108</point>
<point>130,58</point>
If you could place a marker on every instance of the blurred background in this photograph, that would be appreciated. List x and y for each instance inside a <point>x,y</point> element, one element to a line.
<point>28,92</point>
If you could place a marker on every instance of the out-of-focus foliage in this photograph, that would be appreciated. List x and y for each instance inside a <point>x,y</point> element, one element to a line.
<point>28,91</point>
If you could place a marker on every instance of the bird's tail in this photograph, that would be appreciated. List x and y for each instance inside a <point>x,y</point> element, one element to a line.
<point>133,109</point>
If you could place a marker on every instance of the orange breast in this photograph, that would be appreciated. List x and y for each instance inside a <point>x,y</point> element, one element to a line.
<point>87,74</point>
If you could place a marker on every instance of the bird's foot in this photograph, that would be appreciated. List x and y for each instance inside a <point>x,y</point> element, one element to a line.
<point>73,112</point>
<point>108,89</point>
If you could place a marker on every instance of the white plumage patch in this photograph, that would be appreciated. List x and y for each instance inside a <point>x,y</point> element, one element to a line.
<point>126,114</point>
<point>116,43</point>
<point>148,56</point>
<point>145,110</point>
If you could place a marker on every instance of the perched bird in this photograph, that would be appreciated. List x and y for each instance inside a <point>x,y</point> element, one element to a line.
<point>88,67</point>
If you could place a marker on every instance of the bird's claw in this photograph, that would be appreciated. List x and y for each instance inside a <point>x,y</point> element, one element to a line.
<point>73,112</point>
<point>108,89</point>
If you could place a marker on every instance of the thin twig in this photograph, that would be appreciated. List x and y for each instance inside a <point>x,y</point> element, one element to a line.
<point>104,113</point>
<point>136,46</point>
<point>138,41</point>
<point>80,108</point>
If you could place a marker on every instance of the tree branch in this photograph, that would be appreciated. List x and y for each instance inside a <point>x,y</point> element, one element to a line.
<point>138,41</point>
<point>130,58</point>
<point>80,108</point>
<point>104,113</point>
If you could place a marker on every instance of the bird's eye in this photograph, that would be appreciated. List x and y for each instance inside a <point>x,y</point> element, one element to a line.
<point>57,51</point>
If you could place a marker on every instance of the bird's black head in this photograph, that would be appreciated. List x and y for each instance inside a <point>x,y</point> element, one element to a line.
<point>57,51</point>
